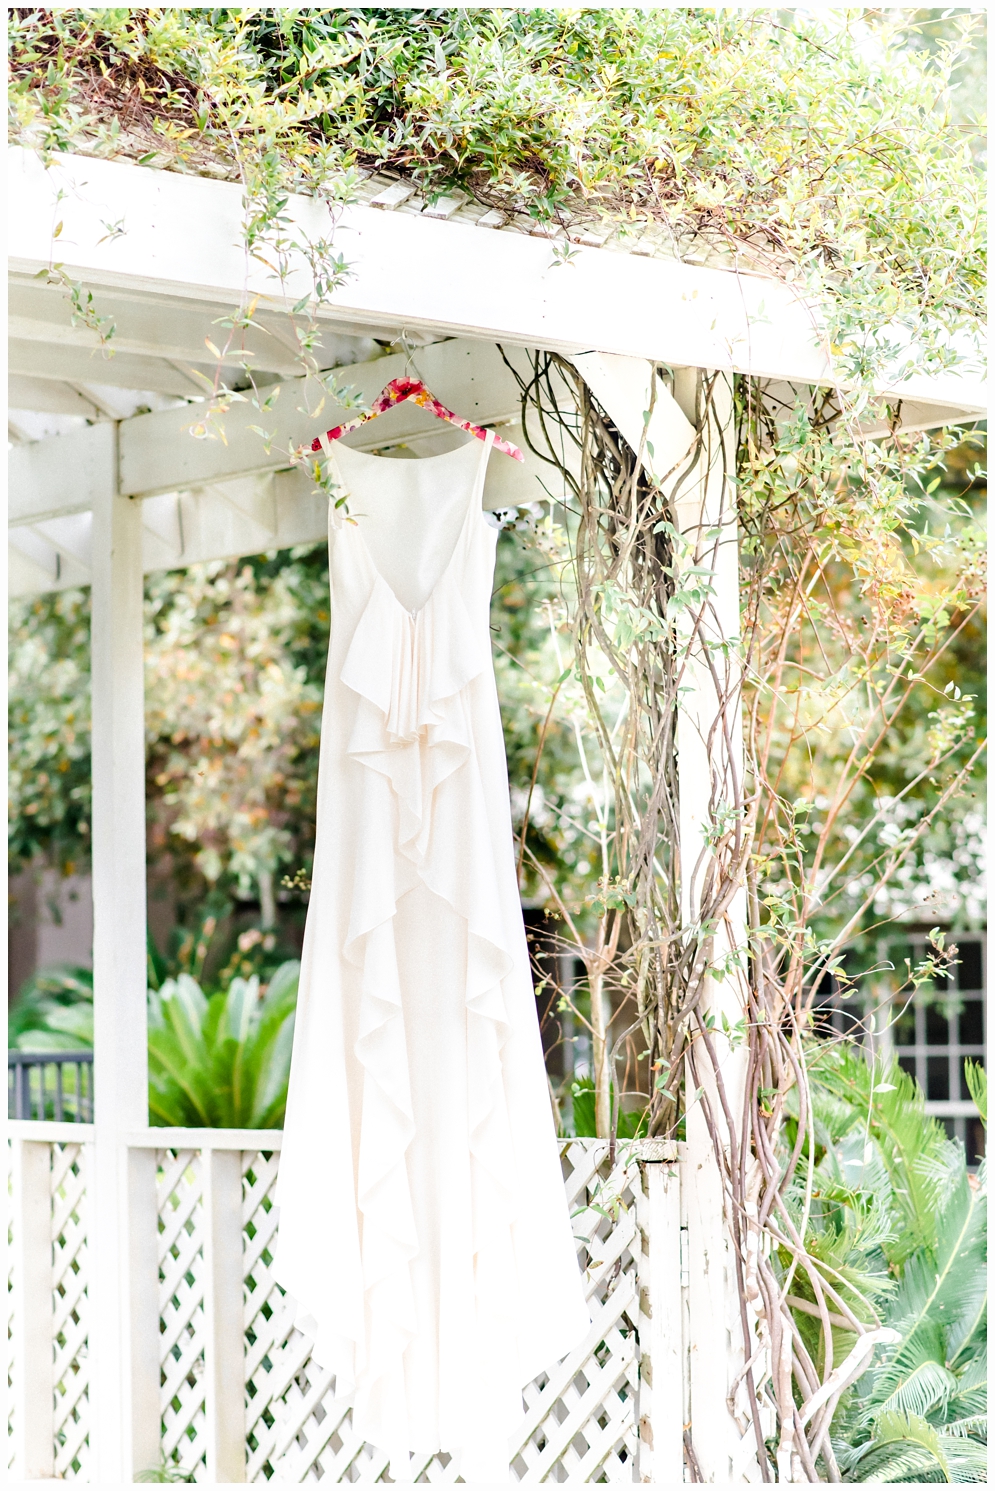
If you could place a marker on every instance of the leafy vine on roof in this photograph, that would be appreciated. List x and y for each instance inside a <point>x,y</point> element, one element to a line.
<point>821,146</point>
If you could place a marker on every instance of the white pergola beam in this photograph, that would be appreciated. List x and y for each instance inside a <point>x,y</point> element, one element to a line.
<point>234,518</point>
<point>26,393</point>
<point>182,234</point>
<point>60,476</point>
<point>158,453</point>
<point>82,366</point>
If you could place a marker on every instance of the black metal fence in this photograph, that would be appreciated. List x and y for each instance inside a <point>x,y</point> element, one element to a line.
<point>50,1086</point>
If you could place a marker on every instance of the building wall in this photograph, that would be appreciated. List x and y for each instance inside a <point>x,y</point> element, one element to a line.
<point>50,921</point>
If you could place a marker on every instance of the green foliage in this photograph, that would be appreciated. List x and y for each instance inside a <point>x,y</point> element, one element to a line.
<point>819,141</point>
<point>49,730</point>
<point>541,709</point>
<point>900,1227</point>
<point>631,1123</point>
<point>222,1060</point>
<point>235,658</point>
<point>214,1060</point>
<point>53,1012</point>
<point>977,1083</point>
<point>878,1146</point>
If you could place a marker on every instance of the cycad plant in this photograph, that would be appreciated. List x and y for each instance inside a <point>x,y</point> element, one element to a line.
<point>902,1223</point>
<point>53,1012</point>
<point>222,1060</point>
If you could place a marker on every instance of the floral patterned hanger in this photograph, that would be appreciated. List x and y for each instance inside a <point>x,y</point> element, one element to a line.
<point>406,389</point>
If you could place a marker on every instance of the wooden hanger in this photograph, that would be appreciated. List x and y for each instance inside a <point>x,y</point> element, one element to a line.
<point>406,389</point>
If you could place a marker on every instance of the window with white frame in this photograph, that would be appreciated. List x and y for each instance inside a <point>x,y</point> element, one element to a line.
<point>931,1034</point>
<point>934,1033</point>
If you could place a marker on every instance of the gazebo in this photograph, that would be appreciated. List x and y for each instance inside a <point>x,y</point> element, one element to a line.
<point>139,1257</point>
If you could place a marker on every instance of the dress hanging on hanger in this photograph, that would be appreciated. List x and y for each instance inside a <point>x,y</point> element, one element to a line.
<point>406,388</point>
<point>424,1231</point>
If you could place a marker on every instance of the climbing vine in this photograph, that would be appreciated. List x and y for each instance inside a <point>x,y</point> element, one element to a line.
<point>819,148</point>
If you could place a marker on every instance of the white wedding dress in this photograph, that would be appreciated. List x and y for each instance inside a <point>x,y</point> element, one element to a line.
<point>424,1232</point>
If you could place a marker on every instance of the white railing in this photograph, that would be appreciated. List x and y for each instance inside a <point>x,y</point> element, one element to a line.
<point>239,1397</point>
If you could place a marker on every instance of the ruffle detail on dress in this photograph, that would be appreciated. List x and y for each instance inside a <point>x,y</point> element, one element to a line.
<point>412,727</point>
<point>409,671</point>
<point>389,1240</point>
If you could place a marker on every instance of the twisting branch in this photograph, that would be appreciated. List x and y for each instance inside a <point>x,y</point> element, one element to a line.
<point>644,618</point>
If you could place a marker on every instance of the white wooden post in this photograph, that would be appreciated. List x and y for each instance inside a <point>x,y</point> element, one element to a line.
<point>124,1409</point>
<point>224,1338</point>
<point>33,1397</point>
<point>661,1334</point>
<point>709,743</point>
<point>709,749</point>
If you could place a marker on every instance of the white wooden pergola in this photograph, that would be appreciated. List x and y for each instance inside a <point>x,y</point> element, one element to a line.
<point>121,488</point>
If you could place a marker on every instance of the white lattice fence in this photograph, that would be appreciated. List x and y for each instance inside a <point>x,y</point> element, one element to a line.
<point>69,1297</point>
<point>181,1310</point>
<point>48,1423</point>
<point>581,1416</point>
<point>585,1419</point>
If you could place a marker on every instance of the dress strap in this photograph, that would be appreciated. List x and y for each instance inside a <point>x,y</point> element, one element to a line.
<point>478,487</point>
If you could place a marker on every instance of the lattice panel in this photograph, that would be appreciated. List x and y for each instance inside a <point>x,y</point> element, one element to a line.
<point>70,1312</point>
<point>181,1311</point>
<point>581,1416</point>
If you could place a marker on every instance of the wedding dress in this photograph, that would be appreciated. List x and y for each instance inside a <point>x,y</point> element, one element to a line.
<point>424,1232</point>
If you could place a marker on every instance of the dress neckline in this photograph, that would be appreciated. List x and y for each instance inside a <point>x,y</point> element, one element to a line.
<point>468,510</point>
<point>380,458</point>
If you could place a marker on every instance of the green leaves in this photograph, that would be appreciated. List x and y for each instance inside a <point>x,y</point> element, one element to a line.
<point>889,1184</point>
<point>631,1123</point>
<point>836,155</point>
<point>218,1060</point>
<point>223,1061</point>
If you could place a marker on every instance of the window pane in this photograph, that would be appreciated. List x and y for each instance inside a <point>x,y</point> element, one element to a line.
<point>968,971</point>
<point>937,1027</point>
<point>903,1027</point>
<point>972,1024</point>
<point>975,1142</point>
<point>965,1092</point>
<point>897,954</point>
<point>937,1078</point>
<point>907,1064</point>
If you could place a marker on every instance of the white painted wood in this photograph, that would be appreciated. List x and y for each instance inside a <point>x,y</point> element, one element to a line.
<point>224,1358</point>
<point>622,386</point>
<point>33,1435</point>
<point>182,1346</point>
<point>27,393</point>
<point>157,453</point>
<point>143,1322</point>
<point>183,237</point>
<point>661,1334</point>
<point>71,1167</point>
<point>49,1130</point>
<point>30,337</point>
<point>119,958</point>
<point>709,748</point>
<point>137,372</point>
<point>233,518</point>
<point>60,476</point>
<point>189,1138</point>
<point>207,1282</point>
<point>709,743</point>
